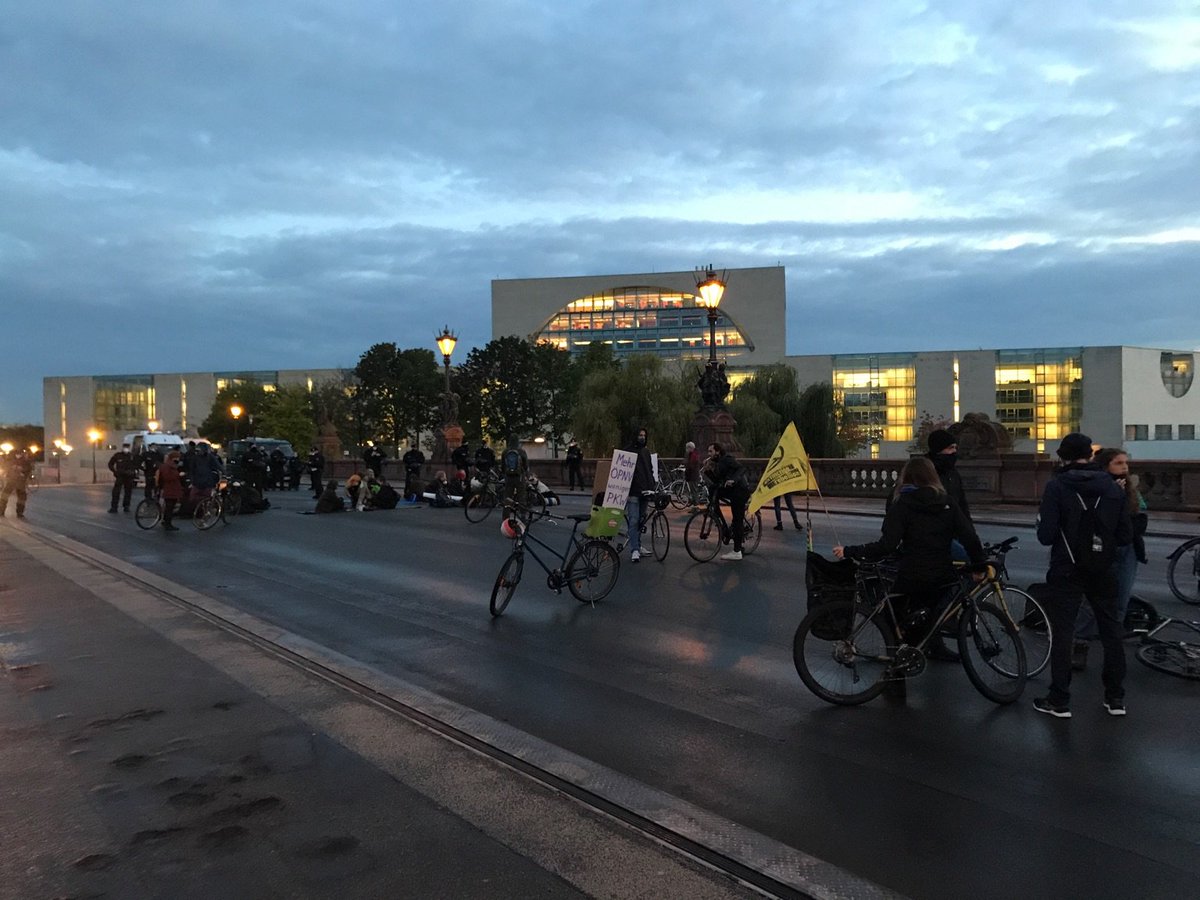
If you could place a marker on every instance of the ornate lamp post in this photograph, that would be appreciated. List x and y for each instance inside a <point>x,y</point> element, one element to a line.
<point>236,412</point>
<point>713,422</point>
<point>94,437</point>
<point>449,435</point>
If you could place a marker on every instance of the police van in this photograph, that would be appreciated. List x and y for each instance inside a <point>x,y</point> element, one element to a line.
<point>139,440</point>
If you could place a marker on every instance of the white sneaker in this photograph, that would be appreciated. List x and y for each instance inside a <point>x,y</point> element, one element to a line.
<point>732,554</point>
<point>635,556</point>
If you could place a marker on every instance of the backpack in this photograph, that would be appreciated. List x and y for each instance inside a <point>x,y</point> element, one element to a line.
<point>511,462</point>
<point>1091,553</point>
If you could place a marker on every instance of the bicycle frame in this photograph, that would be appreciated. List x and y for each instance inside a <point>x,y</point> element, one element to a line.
<point>520,544</point>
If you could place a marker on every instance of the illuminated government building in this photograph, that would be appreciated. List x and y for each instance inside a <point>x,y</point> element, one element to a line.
<point>1132,396</point>
<point>1136,397</point>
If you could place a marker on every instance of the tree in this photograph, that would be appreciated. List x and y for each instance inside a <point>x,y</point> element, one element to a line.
<point>287,414</point>
<point>333,401</point>
<point>559,378</point>
<point>823,426</point>
<point>925,427</point>
<point>504,393</point>
<point>397,392</point>
<point>220,425</point>
<point>762,405</point>
<point>642,393</point>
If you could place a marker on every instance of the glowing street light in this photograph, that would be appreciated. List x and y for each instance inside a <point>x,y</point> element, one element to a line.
<point>235,411</point>
<point>6,447</point>
<point>94,436</point>
<point>153,423</point>
<point>450,431</point>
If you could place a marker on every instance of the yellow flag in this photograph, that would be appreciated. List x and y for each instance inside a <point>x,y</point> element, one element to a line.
<point>787,471</point>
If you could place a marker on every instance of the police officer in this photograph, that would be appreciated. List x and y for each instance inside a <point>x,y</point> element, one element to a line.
<point>574,463</point>
<point>461,457</point>
<point>254,464</point>
<point>374,458</point>
<point>124,468</point>
<point>413,460</point>
<point>277,467</point>
<point>149,461</point>
<point>485,458</point>
<point>316,470</point>
<point>18,469</point>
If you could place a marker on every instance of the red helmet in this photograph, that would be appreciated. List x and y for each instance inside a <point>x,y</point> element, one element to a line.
<point>511,528</point>
<point>460,475</point>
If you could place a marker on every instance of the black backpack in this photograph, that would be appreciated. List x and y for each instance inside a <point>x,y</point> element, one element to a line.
<point>1089,550</point>
<point>512,462</point>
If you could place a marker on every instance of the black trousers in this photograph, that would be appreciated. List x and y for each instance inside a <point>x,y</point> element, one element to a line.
<point>123,485</point>
<point>317,486</point>
<point>574,475</point>
<point>1066,589</point>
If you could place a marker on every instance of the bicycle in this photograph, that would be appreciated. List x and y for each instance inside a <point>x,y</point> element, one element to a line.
<point>686,494</point>
<point>656,522</point>
<point>1178,658</point>
<point>222,504</point>
<point>706,530</point>
<point>1183,571</point>
<point>846,651</point>
<point>149,512</point>
<point>589,565</point>
<point>1025,611</point>
<point>482,501</point>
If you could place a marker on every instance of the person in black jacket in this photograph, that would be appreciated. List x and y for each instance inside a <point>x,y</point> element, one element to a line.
<point>461,457</point>
<point>148,462</point>
<point>316,470</point>
<point>485,459</point>
<point>1079,493</point>
<point>413,460</point>
<point>643,480</point>
<point>943,453</point>
<point>920,525</point>
<point>374,457</point>
<point>574,465</point>
<point>124,468</point>
<point>731,485</point>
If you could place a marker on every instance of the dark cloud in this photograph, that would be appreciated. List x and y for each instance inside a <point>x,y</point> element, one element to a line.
<point>303,180</point>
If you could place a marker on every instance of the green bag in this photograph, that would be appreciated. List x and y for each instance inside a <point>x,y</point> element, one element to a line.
<point>606,521</point>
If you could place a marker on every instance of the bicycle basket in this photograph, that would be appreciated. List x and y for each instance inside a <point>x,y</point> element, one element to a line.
<point>825,581</point>
<point>606,521</point>
<point>662,500</point>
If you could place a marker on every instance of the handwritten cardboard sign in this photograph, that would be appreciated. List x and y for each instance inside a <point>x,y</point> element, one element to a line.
<point>620,476</point>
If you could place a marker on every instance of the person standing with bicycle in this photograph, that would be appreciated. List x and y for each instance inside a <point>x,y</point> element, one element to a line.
<point>731,484</point>
<point>170,485</point>
<point>921,524</point>
<point>643,480</point>
<point>1083,519</point>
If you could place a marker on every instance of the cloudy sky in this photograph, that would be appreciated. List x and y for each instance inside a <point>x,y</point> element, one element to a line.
<point>230,185</point>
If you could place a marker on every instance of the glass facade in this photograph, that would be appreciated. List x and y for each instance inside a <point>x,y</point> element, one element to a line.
<point>268,380</point>
<point>643,320</point>
<point>122,402</point>
<point>878,393</point>
<point>1039,393</point>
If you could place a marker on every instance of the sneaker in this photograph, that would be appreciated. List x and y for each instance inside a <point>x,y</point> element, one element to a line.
<point>779,527</point>
<point>113,510</point>
<point>1115,707</point>
<point>635,556</point>
<point>799,527</point>
<point>1043,705</point>
<point>732,554</point>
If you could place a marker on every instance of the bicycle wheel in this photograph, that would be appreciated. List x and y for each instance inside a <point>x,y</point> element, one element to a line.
<point>1030,618</point>
<point>208,511</point>
<point>702,536</point>
<point>1173,659</point>
<point>679,494</point>
<point>841,655</point>
<point>479,506</point>
<point>1183,572</point>
<point>592,571</point>
<point>751,532</point>
<point>148,513</point>
<point>992,653</point>
<point>660,536</point>
<point>506,582</point>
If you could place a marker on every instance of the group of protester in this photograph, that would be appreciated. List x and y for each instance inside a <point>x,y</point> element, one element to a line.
<point>178,477</point>
<point>1092,518</point>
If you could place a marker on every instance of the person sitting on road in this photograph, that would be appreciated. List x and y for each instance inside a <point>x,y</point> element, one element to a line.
<point>459,487</point>
<point>921,523</point>
<point>440,491</point>
<point>384,496</point>
<point>353,483</point>
<point>329,501</point>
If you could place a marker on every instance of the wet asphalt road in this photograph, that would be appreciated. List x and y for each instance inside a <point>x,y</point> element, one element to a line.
<point>683,679</point>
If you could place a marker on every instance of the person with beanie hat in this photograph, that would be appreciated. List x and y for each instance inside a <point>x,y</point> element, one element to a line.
<point>1082,503</point>
<point>943,453</point>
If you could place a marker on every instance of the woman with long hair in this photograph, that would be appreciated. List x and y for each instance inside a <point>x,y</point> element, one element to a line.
<point>920,526</point>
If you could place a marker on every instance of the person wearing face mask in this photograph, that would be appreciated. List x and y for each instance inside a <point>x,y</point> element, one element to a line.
<point>943,453</point>
<point>643,480</point>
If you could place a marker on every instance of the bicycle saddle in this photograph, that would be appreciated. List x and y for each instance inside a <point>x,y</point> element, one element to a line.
<point>579,517</point>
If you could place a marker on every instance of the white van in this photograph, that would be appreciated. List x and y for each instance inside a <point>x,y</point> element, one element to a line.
<point>165,440</point>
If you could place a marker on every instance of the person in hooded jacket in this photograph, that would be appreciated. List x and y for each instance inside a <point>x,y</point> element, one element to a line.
<point>643,480</point>
<point>1082,488</point>
<point>943,453</point>
<point>921,523</point>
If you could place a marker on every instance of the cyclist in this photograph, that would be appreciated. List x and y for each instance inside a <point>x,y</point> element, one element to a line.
<point>643,480</point>
<point>170,485</point>
<point>731,484</point>
<point>920,524</point>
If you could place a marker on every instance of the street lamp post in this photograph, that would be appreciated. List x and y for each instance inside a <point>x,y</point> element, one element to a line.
<point>94,436</point>
<point>713,423</point>
<point>236,412</point>
<point>449,435</point>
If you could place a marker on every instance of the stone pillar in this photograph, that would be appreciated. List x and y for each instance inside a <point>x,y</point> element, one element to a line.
<point>714,425</point>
